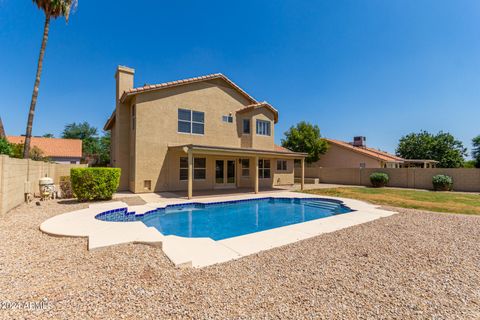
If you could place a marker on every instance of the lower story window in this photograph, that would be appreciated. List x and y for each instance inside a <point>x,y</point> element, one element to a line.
<point>245,167</point>
<point>281,165</point>
<point>264,169</point>
<point>199,168</point>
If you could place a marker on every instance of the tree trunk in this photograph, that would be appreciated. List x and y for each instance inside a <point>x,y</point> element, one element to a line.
<point>28,133</point>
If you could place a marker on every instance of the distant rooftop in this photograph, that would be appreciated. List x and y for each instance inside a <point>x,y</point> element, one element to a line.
<point>53,147</point>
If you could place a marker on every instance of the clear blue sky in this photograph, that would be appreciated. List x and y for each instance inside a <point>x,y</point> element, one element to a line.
<point>376,68</point>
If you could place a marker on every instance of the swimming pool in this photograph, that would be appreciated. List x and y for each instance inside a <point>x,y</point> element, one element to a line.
<point>222,220</point>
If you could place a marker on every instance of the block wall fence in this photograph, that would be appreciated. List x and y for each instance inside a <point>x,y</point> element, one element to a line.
<point>18,176</point>
<point>415,178</point>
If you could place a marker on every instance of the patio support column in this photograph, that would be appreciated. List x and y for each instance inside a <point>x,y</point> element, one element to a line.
<point>303,173</point>
<point>190,173</point>
<point>256,174</point>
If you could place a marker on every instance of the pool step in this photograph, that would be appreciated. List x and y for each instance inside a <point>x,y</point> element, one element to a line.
<point>322,205</point>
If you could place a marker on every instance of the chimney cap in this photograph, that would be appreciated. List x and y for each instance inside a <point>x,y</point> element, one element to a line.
<point>125,69</point>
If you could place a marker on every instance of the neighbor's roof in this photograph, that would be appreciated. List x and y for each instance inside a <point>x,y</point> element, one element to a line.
<point>154,87</point>
<point>53,147</point>
<point>263,104</point>
<point>370,152</point>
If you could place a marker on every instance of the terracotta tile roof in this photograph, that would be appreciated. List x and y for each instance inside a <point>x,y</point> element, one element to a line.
<point>281,149</point>
<point>164,85</point>
<point>371,152</point>
<point>260,105</point>
<point>53,147</point>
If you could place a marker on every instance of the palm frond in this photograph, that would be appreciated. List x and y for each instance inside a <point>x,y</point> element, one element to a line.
<point>57,8</point>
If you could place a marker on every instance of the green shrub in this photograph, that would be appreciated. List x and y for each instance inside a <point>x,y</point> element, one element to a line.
<point>442,182</point>
<point>5,147</point>
<point>94,183</point>
<point>66,187</point>
<point>379,179</point>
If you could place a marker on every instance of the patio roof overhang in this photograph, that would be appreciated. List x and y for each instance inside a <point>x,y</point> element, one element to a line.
<point>192,149</point>
<point>229,151</point>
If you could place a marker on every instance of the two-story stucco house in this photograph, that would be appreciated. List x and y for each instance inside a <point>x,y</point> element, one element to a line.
<point>195,134</point>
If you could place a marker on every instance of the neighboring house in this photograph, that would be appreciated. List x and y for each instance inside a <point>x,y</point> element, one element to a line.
<point>357,155</point>
<point>56,149</point>
<point>195,134</point>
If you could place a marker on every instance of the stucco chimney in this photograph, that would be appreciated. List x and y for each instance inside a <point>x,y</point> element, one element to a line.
<point>124,78</point>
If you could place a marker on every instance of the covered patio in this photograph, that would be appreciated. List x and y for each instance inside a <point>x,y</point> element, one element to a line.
<point>237,154</point>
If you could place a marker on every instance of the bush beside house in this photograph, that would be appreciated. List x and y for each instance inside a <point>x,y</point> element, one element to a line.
<point>442,182</point>
<point>379,179</point>
<point>94,183</point>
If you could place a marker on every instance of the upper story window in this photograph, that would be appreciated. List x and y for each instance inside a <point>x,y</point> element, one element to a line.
<point>263,128</point>
<point>190,121</point>
<point>228,118</point>
<point>246,126</point>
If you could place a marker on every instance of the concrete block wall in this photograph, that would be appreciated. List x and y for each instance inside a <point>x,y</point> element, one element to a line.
<point>18,176</point>
<point>463,179</point>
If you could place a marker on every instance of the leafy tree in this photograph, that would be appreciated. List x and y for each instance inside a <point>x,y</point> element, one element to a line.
<point>442,147</point>
<point>48,135</point>
<point>94,148</point>
<point>17,150</point>
<point>305,137</point>
<point>476,151</point>
<point>85,132</point>
<point>35,152</point>
<point>5,147</point>
<point>52,9</point>
<point>469,164</point>
<point>104,151</point>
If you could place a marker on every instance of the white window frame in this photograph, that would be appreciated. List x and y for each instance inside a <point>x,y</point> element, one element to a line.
<point>262,168</point>
<point>191,122</point>
<point>227,119</point>
<point>263,128</point>
<point>195,168</point>
<point>283,165</point>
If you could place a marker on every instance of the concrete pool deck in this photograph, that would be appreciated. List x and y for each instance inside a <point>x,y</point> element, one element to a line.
<point>201,252</point>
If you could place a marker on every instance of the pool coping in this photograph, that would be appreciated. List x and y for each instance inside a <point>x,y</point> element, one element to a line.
<point>201,252</point>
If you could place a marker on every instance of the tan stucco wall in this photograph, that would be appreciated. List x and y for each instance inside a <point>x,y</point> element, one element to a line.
<point>339,157</point>
<point>418,178</point>
<point>18,176</point>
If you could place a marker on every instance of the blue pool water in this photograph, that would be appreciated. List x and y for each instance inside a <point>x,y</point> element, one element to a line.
<point>230,219</point>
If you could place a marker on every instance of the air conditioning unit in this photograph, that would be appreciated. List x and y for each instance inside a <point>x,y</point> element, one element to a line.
<point>359,141</point>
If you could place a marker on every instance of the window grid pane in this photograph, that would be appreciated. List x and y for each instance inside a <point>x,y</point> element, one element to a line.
<point>184,114</point>
<point>198,128</point>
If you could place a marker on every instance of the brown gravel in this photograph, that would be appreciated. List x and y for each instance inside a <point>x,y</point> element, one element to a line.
<point>414,265</point>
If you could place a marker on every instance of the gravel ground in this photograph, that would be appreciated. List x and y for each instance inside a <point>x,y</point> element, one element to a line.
<point>414,265</point>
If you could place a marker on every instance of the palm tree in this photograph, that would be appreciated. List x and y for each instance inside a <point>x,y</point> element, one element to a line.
<point>52,9</point>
